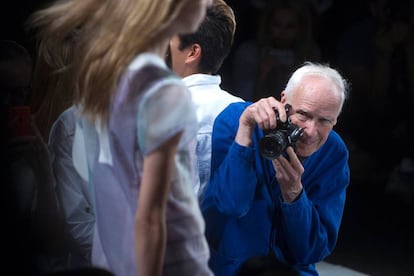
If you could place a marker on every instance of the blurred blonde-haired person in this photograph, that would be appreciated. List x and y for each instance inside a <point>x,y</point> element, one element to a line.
<point>134,140</point>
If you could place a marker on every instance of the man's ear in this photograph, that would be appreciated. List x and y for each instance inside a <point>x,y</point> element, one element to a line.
<point>195,54</point>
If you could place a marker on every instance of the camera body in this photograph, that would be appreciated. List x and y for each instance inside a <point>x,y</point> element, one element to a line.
<point>275,141</point>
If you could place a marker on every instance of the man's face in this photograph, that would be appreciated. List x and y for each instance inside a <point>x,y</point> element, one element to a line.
<point>315,109</point>
<point>176,59</point>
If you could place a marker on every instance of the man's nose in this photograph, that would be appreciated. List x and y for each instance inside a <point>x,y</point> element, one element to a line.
<point>310,128</point>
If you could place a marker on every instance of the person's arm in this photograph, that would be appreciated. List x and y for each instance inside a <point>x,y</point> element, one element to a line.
<point>150,218</point>
<point>308,227</point>
<point>263,114</point>
<point>234,174</point>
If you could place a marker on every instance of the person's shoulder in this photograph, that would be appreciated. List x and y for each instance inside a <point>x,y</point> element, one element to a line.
<point>147,78</point>
<point>335,136</point>
<point>335,140</point>
<point>333,151</point>
<point>232,111</point>
<point>238,106</point>
<point>69,114</point>
<point>144,59</point>
<point>149,67</point>
<point>229,97</point>
<point>65,122</point>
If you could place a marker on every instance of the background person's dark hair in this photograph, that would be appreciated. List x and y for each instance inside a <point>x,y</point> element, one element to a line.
<point>215,36</point>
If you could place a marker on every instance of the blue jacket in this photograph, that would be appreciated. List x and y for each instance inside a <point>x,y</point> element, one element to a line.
<point>243,210</point>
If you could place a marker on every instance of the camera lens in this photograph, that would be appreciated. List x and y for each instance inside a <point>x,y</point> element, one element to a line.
<point>272,145</point>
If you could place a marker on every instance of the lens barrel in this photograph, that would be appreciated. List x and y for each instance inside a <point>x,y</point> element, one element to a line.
<point>273,144</point>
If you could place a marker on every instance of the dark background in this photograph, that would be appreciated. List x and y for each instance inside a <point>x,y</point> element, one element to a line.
<point>377,230</point>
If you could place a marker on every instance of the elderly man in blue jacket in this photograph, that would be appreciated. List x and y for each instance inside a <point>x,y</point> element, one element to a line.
<point>288,204</point>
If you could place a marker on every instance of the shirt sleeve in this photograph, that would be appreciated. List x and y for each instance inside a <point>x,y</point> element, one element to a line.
<point>310,225</point>
<point>164,111</point>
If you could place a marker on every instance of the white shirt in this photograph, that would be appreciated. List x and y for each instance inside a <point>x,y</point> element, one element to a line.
<point>209,100</point>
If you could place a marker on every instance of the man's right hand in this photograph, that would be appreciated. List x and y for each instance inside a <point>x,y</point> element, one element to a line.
<point>262,113</point>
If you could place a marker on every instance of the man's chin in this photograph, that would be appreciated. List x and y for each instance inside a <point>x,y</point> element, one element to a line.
<point>304,151</point>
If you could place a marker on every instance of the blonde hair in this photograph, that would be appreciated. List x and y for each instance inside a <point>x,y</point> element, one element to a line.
<point>110,34</point>
<point>53,82</point>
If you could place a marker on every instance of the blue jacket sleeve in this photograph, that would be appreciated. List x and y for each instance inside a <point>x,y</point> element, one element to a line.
<point>308,228</point>
<point>232,183</point>
<point>245,215</point>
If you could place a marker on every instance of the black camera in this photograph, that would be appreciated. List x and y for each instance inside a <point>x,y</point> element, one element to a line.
<point>276,141</point>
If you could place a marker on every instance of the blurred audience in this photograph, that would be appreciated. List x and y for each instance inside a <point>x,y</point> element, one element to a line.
<point>261,66</point>
<point>36,219</point>
<point>376,54</point>
<point>54,86</point>
<point>53,82</point>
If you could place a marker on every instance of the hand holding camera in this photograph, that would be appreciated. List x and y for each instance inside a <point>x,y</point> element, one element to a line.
<point>277,140</point>
<point>278,134</point>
